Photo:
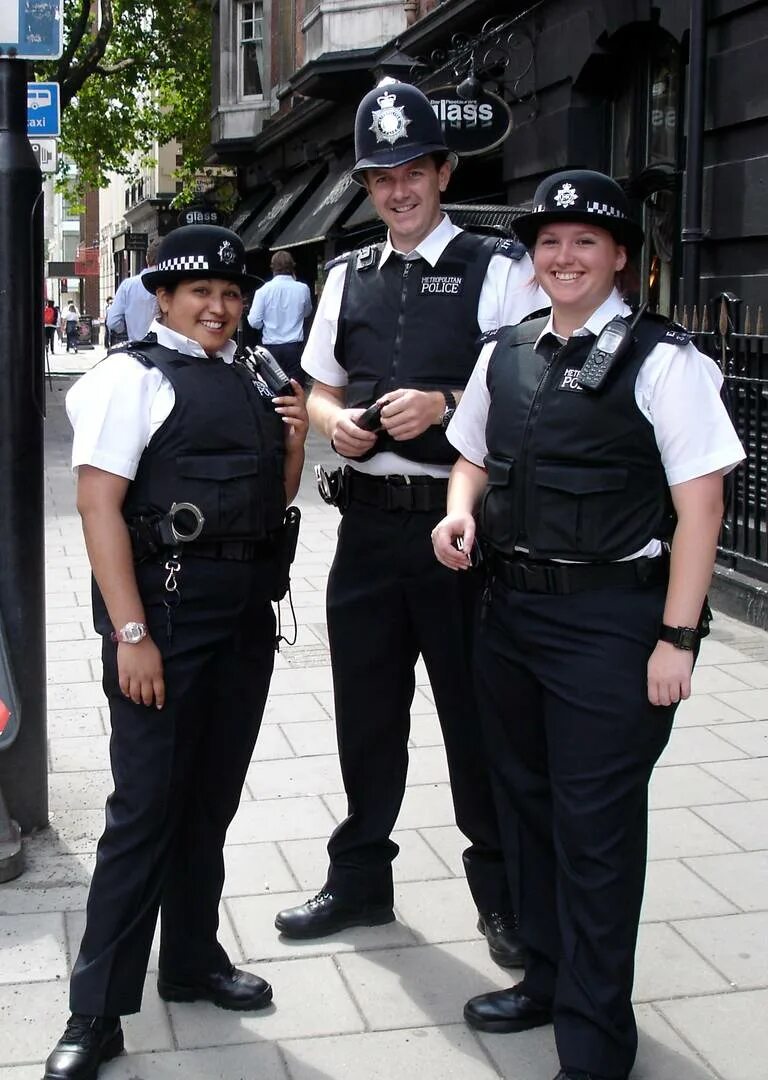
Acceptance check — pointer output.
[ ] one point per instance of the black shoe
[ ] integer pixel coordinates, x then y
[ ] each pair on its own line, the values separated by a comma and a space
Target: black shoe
325, 913
504, 943
87, 1042
506, 1010
233, 989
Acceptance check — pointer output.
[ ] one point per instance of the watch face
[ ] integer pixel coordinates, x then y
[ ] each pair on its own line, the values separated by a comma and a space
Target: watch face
133, 632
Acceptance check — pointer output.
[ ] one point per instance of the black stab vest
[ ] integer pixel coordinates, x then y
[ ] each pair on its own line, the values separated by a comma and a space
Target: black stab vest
572, 474
413, 326
221, 448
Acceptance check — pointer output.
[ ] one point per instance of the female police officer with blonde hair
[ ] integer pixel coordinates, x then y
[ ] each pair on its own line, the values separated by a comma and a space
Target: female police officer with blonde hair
182, 600
597, 463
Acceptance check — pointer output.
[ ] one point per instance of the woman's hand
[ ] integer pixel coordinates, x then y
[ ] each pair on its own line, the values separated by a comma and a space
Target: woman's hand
669, 674
140, 673
454, 527
293, 410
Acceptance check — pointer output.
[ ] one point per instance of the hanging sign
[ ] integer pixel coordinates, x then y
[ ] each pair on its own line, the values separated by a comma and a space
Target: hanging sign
471, 127
31, 29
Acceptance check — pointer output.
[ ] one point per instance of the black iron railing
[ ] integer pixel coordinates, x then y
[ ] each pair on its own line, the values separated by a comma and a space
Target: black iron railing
739, 344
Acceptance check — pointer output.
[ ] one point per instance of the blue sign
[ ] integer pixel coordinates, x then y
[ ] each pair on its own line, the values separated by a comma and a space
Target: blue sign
43, 117
31, 29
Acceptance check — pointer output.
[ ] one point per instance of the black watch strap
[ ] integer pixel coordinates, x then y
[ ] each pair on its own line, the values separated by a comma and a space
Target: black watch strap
450, 400
682, 637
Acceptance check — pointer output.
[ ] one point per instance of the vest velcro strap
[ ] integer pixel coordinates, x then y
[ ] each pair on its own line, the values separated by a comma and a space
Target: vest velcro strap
527, 575
419, 493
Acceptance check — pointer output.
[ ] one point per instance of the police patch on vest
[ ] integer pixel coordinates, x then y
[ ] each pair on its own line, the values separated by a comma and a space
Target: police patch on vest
442, 284
678, 337
262, 388
570, 381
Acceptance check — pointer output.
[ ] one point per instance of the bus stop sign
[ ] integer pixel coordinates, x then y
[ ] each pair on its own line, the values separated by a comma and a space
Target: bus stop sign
31, 29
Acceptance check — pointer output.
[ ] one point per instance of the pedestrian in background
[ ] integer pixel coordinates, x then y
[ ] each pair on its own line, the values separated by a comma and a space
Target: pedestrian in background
280, 309
71, 323
50, 318
589, 451
133, 308
188, 631
107, 334
397, 325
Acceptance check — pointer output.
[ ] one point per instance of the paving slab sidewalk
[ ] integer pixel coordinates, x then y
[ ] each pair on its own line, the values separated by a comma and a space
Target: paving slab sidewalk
373, 1004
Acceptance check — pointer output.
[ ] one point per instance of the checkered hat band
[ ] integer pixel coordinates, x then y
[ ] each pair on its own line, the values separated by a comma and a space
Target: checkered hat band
604, 208
185, 262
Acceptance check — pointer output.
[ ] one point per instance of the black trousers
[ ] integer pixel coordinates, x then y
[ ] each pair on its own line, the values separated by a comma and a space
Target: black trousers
178, 775
288, 356
562, 692
388, 601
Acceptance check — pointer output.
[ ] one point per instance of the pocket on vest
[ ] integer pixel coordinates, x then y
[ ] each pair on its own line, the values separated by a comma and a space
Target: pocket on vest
227, 490
498, 499
573, 507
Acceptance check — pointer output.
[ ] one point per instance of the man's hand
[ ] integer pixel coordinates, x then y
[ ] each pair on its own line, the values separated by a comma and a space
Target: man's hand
348, 439
446, 533
669, 674
408, 413
140, 673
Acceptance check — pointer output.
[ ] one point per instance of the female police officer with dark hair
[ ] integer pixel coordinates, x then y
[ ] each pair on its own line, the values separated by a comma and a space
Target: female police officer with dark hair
585, 465
188, 630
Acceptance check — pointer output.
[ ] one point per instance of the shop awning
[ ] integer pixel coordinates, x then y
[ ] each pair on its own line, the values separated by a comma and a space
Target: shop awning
279, 207
363, 217
249, 205
492, 220
323, 209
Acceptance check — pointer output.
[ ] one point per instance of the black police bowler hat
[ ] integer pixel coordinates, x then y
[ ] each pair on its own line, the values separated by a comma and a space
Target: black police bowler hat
395, 123
581, 195
200, 251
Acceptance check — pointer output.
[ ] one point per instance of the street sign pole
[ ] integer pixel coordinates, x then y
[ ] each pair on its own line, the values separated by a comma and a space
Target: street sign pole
23, 767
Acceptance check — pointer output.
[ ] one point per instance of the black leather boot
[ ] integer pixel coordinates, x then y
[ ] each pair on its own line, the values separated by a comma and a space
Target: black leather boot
325, 913
504, 944
86, 1043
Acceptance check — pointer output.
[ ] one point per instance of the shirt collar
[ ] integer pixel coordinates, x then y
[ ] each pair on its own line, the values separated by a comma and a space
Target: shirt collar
611, 306
431, 247
171, 340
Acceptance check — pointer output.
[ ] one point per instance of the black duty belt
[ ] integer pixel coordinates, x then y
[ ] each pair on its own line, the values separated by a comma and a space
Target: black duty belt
398, 492
237, 550
528, 575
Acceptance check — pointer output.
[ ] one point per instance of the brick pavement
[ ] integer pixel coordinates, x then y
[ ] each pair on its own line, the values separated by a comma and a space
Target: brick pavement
370, 1004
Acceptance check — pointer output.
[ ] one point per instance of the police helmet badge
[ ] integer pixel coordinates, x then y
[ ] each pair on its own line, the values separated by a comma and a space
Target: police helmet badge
566, 195
389, 120
227, 253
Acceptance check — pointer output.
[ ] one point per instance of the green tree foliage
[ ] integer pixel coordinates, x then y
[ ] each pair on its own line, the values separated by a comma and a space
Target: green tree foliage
132, 72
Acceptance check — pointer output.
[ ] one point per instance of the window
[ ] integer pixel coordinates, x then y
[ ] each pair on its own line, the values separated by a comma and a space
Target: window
69, 245
70, 208
251, 47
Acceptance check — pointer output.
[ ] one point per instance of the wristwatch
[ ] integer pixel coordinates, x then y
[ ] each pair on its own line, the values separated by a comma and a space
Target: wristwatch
682, 637
130, 634
450, 409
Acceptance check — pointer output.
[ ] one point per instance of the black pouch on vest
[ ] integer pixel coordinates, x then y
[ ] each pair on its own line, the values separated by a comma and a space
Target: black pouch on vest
285, 540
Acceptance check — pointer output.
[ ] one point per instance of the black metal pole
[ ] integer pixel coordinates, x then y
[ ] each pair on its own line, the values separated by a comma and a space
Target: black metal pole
692, 233
23, 767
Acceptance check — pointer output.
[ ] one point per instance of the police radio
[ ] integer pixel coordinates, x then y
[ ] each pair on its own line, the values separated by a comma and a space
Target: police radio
370, 420
267, 366
611, 345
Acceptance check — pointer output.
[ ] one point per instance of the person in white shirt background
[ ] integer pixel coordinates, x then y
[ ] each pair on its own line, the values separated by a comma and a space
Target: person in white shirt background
597, 480
280, 310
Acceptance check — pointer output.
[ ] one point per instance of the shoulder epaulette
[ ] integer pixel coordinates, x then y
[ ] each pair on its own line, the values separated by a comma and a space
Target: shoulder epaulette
509, 248
339, 260
540, 313
489, 335
368, 256
675, 333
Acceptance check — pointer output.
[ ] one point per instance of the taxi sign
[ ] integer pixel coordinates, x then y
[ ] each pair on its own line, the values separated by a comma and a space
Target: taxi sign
31, 29
43, 113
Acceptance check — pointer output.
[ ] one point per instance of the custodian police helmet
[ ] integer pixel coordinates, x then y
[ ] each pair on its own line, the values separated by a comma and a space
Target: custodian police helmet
395, 123
200, 251
581, 195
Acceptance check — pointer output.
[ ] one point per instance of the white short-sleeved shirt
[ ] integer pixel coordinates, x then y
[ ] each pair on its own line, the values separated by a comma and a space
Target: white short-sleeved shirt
677, 389
508, 294
279, 308
117, 406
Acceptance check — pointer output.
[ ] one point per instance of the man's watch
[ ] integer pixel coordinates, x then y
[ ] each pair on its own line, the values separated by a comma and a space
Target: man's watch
450, 409
130, 634
682, 637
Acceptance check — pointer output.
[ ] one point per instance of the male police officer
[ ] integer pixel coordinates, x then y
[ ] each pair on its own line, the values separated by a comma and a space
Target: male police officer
398, 324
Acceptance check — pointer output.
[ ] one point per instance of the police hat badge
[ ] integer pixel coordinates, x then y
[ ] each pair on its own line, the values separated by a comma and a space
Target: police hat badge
389, 121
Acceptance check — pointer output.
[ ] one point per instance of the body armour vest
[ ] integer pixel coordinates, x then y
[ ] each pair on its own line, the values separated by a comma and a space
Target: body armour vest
413, 326
220, 448
572, 474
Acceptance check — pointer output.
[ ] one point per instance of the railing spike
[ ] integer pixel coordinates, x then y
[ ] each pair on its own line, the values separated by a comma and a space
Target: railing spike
685, 316
695, 320
759, 326
675, 316
705, 320
722, 322
747, 321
